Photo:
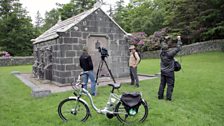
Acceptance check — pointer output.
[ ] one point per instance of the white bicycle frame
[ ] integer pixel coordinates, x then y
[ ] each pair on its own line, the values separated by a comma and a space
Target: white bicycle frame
112, 100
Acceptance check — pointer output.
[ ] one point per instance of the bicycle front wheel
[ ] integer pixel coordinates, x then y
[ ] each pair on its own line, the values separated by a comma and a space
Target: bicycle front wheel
73, 109
124, 117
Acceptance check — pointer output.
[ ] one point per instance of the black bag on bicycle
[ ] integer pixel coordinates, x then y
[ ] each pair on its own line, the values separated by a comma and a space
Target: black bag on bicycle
131, 102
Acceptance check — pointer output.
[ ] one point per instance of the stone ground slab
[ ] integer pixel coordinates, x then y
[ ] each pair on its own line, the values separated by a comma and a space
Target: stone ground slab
42, 88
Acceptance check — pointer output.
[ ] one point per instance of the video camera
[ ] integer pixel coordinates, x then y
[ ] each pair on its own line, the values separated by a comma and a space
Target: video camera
103, 52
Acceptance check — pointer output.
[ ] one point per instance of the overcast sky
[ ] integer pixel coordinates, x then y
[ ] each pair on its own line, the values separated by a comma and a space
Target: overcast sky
32, 6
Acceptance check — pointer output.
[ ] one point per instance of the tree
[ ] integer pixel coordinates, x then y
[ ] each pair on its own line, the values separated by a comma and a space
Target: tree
139, 16
198, 20
39, 23
51, 18
110, 11
120, 14
194, 20
38, 20
5, 7
16, 29
74, 7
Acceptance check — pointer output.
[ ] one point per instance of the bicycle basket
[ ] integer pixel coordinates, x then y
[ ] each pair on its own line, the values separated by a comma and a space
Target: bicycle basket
131, 102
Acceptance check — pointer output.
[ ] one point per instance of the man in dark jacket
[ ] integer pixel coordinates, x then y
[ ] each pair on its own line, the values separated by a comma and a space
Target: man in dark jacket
167, 68
87, 65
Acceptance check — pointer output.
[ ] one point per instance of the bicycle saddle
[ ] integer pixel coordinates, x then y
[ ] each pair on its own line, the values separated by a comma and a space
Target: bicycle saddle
115, 85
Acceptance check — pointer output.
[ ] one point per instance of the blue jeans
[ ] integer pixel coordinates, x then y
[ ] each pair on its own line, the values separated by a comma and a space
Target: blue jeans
90, 76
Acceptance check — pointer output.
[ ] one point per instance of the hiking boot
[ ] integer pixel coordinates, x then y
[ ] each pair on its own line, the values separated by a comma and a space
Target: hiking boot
93, 94
168, 99
160, 97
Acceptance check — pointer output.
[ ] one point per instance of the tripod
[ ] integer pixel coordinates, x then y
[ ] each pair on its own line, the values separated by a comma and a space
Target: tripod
100, 69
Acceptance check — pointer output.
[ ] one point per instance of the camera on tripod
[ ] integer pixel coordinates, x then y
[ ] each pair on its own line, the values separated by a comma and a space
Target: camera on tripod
103, 52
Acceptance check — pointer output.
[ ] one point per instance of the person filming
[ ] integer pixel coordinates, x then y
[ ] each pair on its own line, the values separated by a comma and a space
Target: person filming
167, 67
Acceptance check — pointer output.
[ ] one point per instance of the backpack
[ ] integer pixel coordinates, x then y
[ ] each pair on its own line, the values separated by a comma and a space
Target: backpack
140, 56
177, 66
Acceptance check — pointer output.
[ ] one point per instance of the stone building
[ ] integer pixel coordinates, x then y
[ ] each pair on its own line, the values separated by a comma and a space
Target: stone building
57, 51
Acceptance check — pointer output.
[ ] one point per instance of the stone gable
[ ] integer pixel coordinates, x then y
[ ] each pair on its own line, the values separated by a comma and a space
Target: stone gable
95, 28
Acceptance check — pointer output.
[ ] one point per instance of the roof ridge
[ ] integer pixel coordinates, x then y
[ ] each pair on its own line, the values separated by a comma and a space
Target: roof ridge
65, 25
87, 12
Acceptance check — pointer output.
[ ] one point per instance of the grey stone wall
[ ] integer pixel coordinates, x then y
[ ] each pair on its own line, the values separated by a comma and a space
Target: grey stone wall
200, 47
16, 61
68, 47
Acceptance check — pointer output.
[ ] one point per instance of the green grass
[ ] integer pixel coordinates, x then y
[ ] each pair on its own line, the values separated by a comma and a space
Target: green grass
198, 97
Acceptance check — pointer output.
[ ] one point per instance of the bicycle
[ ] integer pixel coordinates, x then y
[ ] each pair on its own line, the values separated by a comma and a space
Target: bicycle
76, 106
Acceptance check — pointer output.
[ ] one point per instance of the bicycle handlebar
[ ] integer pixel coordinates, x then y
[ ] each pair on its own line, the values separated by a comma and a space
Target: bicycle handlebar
76, 83
83, 73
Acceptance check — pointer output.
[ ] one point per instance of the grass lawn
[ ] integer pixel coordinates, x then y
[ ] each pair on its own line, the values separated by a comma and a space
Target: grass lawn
198, 98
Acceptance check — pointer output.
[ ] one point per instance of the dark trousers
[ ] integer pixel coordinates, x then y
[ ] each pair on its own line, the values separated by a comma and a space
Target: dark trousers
134, 76
166, 78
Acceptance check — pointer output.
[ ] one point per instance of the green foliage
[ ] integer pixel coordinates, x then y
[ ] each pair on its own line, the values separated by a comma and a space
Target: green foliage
16, 30
74, 7
198, 97
194, 20
214, 33
51, 18
38, 23
139, 16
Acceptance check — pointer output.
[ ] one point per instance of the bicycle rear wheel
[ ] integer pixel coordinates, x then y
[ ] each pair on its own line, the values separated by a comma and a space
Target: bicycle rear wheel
124, 117
71, 109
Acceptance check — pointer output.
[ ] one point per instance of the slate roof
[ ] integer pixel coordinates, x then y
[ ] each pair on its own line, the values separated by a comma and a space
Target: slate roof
63, 26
